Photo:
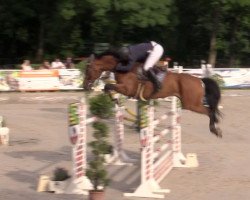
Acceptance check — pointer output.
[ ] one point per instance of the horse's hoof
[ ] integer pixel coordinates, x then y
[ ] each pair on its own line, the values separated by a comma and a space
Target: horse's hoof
108, 87
219, 133
117, 101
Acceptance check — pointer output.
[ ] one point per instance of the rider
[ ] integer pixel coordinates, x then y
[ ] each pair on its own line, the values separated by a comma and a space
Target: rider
149, 53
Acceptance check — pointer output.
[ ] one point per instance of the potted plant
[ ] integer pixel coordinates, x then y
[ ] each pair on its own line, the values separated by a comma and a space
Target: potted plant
58, 182
96, 172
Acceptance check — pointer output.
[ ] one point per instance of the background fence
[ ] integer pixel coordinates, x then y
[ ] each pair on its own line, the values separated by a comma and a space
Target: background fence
72, 79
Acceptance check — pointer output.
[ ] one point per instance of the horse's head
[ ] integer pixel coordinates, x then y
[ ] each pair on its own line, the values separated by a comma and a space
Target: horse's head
95, 67
93, 71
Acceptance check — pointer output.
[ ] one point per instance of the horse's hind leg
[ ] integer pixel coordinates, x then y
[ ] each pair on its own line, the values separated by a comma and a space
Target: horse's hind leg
212, 118
212, 125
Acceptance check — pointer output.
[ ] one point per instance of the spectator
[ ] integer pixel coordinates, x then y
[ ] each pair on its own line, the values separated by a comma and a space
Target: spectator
26, 66
57, 64
45, 65
69, 63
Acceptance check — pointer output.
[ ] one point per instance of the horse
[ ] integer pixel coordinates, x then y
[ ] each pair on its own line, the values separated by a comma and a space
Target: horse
189, 89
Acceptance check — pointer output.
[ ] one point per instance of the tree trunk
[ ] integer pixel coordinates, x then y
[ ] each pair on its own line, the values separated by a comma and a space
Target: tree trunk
232, 45
213, 50
213, 38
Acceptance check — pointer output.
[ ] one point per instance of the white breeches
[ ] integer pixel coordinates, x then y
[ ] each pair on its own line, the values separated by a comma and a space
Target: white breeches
154, 56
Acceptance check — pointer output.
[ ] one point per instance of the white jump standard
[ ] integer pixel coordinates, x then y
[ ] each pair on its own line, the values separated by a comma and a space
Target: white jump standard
156, 163
78, 122
119, 156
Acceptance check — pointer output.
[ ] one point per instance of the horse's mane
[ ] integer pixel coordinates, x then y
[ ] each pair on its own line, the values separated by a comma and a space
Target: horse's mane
114, 52
109, 52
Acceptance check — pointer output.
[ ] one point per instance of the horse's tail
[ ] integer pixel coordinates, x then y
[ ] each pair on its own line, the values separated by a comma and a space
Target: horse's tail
213, 96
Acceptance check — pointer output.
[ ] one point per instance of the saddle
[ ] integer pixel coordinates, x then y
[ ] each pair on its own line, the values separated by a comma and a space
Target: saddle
142, 76
160, 72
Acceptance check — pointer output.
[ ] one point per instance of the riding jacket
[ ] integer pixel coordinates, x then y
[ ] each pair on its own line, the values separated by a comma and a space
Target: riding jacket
137, 53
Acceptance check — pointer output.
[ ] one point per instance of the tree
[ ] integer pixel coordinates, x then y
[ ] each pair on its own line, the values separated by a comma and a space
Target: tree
189, 30
205, 28
238, 23
14, 32
115, 20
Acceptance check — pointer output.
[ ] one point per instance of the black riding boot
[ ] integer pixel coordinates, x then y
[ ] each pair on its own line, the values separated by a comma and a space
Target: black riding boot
152, 76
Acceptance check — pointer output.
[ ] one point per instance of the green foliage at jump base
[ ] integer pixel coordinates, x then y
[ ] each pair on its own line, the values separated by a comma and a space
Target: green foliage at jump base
101, 106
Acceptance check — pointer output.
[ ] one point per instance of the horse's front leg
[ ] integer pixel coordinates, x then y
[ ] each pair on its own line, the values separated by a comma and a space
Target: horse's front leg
119, 88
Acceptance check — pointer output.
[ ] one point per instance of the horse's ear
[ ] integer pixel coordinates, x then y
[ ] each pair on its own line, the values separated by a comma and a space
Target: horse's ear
91, 57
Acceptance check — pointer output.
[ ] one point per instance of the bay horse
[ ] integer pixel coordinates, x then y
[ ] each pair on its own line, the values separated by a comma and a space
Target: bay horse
189, 89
